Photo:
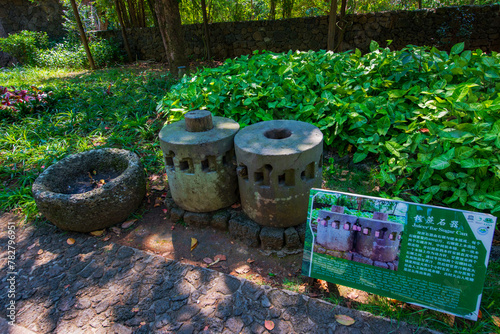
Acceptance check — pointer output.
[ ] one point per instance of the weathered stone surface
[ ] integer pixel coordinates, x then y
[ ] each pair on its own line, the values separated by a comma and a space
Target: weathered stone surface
197, 219
301, 230
245, 230
310, 33
292, 239
281, 159
161, 297
271, 237
220, 220
381, 264
176, 214
361, 259
199, 164
96, 209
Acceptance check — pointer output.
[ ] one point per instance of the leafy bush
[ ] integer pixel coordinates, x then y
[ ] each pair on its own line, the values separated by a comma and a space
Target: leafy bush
72, 55
430, 118
25, 45
20, 102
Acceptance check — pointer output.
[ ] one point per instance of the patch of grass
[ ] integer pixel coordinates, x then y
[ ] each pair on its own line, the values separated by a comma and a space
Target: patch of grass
114, 107
291, 284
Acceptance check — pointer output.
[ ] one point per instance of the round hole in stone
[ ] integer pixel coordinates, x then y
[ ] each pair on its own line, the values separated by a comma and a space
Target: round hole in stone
278, 133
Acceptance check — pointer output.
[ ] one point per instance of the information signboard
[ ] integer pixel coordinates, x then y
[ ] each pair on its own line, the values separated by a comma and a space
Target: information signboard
426, 255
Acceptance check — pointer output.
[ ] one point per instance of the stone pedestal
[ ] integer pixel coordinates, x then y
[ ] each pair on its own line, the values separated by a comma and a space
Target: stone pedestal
199, 160
278, 163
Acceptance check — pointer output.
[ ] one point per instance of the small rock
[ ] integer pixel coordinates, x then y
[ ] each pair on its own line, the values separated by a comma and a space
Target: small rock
176, 214
301, 230
361, 259
272, 237
198, 219
244, 229
292, 238
220, 220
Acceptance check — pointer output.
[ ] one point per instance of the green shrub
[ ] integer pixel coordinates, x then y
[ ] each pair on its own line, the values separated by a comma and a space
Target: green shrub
431, 119
72, 55
25, 45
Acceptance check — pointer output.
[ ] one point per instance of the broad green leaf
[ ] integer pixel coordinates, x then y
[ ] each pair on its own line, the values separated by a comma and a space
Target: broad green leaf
374, 46
457, 48
487, 204
443, 161
358, 157
474, 163
393, 147
464, 152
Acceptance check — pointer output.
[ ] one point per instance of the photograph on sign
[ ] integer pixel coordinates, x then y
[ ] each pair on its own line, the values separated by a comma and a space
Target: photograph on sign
426, 255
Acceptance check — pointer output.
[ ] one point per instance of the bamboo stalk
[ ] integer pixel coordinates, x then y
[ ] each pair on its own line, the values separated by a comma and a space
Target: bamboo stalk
83, 37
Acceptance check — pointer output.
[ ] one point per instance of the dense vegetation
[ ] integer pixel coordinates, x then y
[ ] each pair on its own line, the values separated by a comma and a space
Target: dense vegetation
82, 111
101, 14
430, 119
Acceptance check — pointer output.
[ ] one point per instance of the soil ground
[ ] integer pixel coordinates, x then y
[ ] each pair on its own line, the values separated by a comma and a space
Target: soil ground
156, 233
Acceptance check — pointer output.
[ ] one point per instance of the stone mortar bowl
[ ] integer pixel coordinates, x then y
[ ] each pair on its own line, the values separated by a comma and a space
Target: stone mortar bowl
97, 208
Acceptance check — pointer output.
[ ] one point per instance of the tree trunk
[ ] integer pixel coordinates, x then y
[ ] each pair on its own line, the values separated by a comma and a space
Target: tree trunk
420, 4
205, 26
133, 13
272, 10
125, 16
343, 8
287, 8
124, 33
169, 23
82, 34
151, 4
332, 24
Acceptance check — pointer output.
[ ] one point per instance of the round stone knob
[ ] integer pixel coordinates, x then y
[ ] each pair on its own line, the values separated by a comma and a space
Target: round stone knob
198, 121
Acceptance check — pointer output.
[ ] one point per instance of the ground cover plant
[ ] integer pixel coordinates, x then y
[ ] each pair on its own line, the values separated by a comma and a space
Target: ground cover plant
430, 119
87, 110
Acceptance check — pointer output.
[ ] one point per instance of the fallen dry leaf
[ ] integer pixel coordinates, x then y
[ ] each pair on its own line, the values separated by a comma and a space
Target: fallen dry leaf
40, 252
143, 323
135, 309
30, 247
269, 325
128, 223
106, 238
207, 260
220, 257
158, 201
250, 261
97, 233
236, 205
165, 211
344, 320
70, 241
242, 269
158, 187
194, 243
116, 230
496, 320
172, 227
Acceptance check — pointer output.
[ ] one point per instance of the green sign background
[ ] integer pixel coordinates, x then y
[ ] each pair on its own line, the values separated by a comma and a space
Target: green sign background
442, 260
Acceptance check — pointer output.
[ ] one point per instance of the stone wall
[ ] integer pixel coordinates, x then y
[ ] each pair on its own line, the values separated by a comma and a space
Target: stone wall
478, 26
46, 15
